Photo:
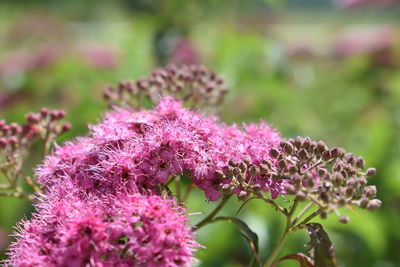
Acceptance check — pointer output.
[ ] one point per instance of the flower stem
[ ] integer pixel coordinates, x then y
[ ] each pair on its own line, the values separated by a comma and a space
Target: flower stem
211, 216
277, 248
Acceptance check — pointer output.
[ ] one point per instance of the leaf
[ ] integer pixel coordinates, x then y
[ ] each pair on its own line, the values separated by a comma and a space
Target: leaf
322, 248
303, 259
247, 233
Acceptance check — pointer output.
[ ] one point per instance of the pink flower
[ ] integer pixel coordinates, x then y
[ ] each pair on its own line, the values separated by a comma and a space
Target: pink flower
128, 230
146, 148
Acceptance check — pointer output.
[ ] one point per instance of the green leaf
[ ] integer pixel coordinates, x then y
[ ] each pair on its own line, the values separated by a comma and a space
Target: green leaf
303, 259
247, 233
321, 246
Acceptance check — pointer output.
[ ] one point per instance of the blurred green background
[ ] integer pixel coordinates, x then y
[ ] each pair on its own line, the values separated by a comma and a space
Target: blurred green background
328, 70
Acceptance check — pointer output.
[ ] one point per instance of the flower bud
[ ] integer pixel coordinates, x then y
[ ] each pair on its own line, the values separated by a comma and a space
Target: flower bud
344, 219
290, 189
350, 159
219, 174
297, 142
274, 153
335, 152
226, 189
32, 118
364, 203
374, 204
253, 170
3, 142
243, 195
371, 172
44, 112
256, 188
15, 128
282, 164
337, 178
326, 155
288, 148
307, 143
324, 215
321, 147
303, 154
322, 171
360, 163
243, 166
301, 196
13, 141
292, 169
370, 191
65, 127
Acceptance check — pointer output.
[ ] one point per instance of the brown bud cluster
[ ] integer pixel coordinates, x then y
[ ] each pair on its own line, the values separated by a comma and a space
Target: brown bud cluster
195, 85
239, 178
329, 177
16, 139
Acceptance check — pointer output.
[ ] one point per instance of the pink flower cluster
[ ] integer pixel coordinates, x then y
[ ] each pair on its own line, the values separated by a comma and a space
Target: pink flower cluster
146, 148
103, 205
128, 230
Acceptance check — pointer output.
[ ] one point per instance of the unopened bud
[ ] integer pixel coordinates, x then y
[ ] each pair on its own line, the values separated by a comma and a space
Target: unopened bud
243, 195
44, 112
219, 174
3, 142
301, 196
290, 189
253, 170
15, 128
292, 169
360, 163
13, 141
324, 215
297, 142
32, 118
256, 188
274, 153
288, 148
370, 191
307, 143
344, 219
371, 172
374, 204
282, 164
65, 127
243, 166
303, 154
226, 189
326, 155
322, 172
321, 147
364, 203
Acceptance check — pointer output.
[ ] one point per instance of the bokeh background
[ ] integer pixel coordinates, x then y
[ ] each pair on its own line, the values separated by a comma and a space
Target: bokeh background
320, 68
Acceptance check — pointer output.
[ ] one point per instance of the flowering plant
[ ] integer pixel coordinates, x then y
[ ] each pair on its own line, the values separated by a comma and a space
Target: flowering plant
105, 199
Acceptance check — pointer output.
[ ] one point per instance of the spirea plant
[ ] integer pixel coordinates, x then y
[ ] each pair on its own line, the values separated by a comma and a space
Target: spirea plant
104, 199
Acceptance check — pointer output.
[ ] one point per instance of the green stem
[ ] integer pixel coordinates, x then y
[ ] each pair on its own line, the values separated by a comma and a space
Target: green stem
277, 248
211, 216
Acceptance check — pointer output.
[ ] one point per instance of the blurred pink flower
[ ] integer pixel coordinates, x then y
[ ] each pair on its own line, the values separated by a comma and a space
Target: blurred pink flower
362, 3
100, 56
366, 41
184, 53
22, 61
